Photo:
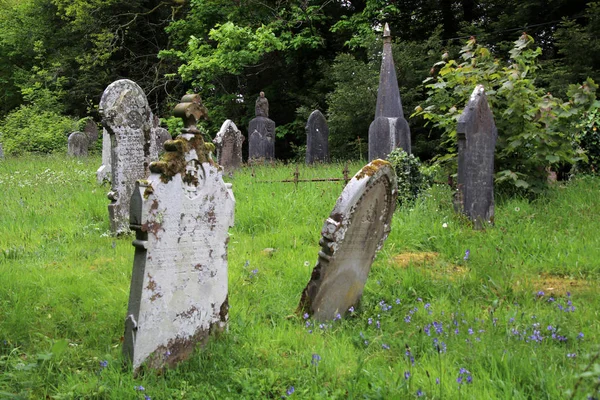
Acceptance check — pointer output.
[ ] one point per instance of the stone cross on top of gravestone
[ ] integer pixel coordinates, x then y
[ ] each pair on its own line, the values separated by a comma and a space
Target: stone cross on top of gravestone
356, 229
181, 215
389, 129
476, 134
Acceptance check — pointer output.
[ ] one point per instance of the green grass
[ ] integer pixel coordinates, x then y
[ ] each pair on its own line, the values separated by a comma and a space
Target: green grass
64, 284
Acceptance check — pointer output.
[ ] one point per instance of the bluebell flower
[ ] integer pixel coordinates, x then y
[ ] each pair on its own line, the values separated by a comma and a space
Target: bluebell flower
351, 309
407, 319
437, 381
571, 355
580, 336
146, 397
385, 346
305, 316
467, 253
290, 391
370, 321
104, 364
397, 301
140, 388
406, 375
315, 359
419, 393
337, 317
540, 293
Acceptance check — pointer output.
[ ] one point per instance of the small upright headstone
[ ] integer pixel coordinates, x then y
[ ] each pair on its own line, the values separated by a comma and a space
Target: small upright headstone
127, 118
389, 129
476, 134
181, 215
160, 134
91, 131
261, 132
317, 138
353, 233
77, 144
228, 142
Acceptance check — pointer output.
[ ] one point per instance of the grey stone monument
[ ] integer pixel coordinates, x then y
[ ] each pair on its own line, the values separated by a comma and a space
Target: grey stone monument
261, 132
1, 152
228, 142
317, 138
160, 135
127, 118
181, 215
91, 131
104, 172
389, 129
77, 144
351, 236
476, 134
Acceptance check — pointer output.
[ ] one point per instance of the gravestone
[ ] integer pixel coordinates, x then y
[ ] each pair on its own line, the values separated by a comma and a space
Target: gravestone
476, 134
261, 132
91, 131
127, 118
389, 129
228, 142
317, 138
351, 236
181, 215
1, 151
160, 134
104, 172
77, 144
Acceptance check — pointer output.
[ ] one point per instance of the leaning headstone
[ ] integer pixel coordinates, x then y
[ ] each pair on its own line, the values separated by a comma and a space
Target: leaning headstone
351, 236
228, 142
181, 215
91, 131
476, 134
389, 129
127, 118
261, 132
317, 138
77, 144
104, 172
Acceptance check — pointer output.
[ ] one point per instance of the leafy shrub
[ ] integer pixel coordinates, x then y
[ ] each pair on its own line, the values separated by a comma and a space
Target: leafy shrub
29, 129
413, 178
536, 131
588, 139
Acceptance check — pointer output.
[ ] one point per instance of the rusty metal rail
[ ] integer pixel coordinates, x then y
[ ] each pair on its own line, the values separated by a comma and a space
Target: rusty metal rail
297, 179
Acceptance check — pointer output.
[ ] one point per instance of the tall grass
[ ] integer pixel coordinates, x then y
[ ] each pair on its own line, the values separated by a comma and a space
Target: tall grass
514, 318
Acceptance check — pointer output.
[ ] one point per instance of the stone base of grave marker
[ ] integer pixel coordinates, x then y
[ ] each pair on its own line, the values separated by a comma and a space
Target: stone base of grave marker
386, 134
351, 236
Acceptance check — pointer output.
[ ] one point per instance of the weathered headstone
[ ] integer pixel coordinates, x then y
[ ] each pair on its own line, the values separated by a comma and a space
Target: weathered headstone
317, 138
77, 144
91, 131
389, 129
181, 215
261, 132
104, 172
160, 134
127, 118
476, 134
228, 142
353, 233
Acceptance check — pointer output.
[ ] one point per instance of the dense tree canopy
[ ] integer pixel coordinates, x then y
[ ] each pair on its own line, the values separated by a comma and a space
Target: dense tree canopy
59, 55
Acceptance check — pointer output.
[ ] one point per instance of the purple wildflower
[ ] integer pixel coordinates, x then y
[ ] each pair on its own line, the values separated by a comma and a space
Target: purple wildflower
406, 375
305, 316
140, 388
290, 391
419, 393
467, 253
104, 364
385, 346
315, 359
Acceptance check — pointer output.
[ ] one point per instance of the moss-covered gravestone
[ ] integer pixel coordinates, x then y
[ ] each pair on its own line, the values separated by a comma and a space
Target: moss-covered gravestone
181, 215
476, 133
389, 129
127, 118
351, 236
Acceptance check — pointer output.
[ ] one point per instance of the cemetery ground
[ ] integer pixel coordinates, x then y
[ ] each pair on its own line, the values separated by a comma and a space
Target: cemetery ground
509, 312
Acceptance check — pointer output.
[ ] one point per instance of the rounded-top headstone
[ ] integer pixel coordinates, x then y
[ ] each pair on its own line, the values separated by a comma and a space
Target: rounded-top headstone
356, 229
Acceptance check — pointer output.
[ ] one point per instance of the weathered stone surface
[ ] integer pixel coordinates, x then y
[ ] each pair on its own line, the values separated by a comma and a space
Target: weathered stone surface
161, 135
127, 118
104, 173
77, 143
261, 141
317, 138
389, 129
228, 142
477, 134
1, 151
91, 131
181, 215
261, 107
353, 233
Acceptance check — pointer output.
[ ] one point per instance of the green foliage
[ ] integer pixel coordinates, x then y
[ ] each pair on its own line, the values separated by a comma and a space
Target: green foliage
413, 178
30, 129
535, 129
588, 139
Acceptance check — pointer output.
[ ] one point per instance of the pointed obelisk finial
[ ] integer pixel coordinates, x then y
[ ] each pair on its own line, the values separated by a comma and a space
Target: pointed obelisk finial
386, 31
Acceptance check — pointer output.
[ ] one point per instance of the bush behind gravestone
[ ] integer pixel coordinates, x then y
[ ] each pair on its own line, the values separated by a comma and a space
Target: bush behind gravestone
413, 178
588, 139
30, 129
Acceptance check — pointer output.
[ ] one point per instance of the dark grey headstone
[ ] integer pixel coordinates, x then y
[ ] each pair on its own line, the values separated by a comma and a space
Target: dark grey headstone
261, 142
128, 120
228, 143
161, 135
351, 236
477, 134
317, 138
389, 129
91, 131
78, 143
181, 215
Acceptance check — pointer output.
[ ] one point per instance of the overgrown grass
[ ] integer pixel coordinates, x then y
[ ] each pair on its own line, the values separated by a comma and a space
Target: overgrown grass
519, 314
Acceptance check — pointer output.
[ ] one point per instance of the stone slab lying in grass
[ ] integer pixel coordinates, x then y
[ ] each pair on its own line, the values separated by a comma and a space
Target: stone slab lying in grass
351, 236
